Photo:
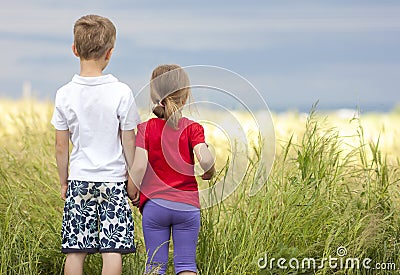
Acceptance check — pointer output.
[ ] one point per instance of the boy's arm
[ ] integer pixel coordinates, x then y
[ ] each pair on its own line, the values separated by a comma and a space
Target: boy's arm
128, 139
62, 159
206, 160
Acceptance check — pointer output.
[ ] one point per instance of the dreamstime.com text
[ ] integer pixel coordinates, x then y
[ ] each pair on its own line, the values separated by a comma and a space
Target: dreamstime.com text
340, 261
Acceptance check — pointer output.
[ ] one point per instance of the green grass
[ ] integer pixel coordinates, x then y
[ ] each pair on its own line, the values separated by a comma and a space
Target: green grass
322, 193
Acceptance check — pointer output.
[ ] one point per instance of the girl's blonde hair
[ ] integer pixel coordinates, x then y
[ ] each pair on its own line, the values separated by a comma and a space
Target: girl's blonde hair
169, 91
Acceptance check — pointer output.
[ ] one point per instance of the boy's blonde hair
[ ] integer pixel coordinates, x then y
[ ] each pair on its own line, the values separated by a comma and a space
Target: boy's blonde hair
94, 35
169, 91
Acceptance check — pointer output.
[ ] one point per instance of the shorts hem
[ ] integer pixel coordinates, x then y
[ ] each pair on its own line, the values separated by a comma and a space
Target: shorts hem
117, 250
79, 250
96, 250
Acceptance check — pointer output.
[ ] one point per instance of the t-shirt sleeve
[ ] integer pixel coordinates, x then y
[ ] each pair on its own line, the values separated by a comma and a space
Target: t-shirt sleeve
196, 134
127, 112
59, 120
141, 140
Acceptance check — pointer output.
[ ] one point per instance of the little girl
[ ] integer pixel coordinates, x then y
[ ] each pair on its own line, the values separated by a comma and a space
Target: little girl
164, 169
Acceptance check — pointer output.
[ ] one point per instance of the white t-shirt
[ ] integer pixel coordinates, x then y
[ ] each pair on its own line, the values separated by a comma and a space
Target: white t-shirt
94, 110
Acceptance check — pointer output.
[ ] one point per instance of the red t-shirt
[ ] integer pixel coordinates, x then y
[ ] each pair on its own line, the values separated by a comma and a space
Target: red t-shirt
170, 168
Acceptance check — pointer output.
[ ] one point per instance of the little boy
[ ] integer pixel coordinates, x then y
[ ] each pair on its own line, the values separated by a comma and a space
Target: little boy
98, 114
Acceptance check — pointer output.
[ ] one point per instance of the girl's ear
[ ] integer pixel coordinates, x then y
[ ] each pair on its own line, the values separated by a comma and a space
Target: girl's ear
74, 50
109, 53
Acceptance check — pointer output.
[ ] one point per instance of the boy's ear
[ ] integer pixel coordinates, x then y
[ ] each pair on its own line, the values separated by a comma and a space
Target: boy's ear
109, 53
74, 50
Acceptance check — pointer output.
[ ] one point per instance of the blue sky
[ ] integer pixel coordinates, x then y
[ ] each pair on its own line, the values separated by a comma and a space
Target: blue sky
343, 53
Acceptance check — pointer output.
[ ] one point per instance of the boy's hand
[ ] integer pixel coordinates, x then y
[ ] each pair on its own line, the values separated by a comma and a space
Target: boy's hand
64, 188
133, 192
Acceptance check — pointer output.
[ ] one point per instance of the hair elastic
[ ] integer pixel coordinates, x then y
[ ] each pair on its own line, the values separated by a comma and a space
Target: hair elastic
158, 104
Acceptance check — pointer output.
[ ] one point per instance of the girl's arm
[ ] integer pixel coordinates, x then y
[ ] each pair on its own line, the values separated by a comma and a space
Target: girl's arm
206, 160
139, 166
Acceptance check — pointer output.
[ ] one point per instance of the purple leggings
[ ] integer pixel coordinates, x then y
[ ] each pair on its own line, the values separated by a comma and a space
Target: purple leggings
160, 217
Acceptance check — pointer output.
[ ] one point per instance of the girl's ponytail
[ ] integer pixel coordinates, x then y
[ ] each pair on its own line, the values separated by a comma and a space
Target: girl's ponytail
169, 90
172, 112
159, 111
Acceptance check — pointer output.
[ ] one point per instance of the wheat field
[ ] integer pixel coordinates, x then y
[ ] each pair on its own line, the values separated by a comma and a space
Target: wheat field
334, 184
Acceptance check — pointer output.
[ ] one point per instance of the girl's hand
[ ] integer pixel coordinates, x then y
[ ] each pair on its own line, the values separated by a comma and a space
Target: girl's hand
133, 192
206, 160
209, 174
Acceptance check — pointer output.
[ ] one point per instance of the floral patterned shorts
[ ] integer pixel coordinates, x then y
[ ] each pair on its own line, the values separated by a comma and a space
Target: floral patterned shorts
97, 218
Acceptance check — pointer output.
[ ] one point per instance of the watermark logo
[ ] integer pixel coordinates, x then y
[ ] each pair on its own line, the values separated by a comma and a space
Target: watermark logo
337, 262
341, 251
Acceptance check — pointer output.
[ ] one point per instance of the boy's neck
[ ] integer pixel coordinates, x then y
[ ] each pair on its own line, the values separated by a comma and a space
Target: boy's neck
92, 68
